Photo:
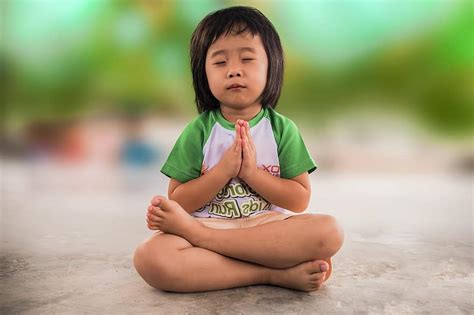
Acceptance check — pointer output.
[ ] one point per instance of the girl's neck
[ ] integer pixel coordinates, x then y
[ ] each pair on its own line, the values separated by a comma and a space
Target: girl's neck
233, 114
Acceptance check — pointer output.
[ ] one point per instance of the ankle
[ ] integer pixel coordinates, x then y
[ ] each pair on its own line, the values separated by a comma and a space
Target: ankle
200, 236
272, 276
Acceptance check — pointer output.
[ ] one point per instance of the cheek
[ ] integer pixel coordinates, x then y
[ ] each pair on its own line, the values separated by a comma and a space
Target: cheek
211, 79
262, 75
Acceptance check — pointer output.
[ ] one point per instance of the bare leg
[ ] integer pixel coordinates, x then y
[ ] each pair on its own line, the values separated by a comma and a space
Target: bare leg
278, 244
169, 262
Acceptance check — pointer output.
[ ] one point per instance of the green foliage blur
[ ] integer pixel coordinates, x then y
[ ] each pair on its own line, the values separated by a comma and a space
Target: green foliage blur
66, 59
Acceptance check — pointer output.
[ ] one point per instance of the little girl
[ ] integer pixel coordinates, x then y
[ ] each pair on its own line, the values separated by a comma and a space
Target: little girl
238, 175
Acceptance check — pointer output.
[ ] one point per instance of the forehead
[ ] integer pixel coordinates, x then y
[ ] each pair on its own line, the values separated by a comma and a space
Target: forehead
244, 42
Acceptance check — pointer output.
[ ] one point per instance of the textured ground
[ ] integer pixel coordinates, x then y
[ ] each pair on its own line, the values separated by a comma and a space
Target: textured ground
68, 236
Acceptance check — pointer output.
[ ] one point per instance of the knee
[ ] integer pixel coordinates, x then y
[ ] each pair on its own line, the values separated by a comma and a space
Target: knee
151, 266
330, 235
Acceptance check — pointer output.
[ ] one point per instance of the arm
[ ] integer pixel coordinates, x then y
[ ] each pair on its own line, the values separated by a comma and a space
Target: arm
292, 194
195, 193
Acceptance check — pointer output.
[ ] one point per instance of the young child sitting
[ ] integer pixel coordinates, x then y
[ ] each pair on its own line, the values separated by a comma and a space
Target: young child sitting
239, 175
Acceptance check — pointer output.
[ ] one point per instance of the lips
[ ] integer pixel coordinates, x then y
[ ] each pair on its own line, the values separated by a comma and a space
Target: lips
234, 86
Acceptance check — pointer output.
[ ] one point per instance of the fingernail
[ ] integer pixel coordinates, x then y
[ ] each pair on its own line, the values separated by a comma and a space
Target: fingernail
324, 267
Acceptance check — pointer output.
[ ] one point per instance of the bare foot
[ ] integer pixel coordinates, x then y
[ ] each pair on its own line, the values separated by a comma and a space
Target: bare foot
307, 276
169, 217
329, 272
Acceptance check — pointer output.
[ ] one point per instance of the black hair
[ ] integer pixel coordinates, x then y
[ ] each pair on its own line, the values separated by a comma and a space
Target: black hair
235, 20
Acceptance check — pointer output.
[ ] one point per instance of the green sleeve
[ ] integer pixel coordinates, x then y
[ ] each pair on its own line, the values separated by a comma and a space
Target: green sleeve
185, 159
292, 153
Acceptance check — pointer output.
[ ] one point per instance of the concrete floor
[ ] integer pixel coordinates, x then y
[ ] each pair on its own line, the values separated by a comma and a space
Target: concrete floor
67, 246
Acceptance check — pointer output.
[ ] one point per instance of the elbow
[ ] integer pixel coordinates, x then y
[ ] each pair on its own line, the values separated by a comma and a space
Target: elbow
302, 203
301, 207
183, 202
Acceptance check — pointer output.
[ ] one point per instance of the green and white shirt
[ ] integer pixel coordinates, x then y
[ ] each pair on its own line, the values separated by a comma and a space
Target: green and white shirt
280, 151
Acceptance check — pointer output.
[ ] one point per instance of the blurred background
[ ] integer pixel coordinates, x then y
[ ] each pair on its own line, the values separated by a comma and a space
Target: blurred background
96, 92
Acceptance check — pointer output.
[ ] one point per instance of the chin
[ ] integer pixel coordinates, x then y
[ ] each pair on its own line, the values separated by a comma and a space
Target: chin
237, 105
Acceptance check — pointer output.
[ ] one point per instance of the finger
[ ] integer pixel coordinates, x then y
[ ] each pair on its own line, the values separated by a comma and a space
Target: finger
235, 144
244, 138
249, 136
245, 146
237, 132
243, 134
237, 140
238, 148
237, 135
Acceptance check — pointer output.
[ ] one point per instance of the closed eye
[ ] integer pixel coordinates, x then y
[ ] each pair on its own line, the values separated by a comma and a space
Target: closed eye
223, 62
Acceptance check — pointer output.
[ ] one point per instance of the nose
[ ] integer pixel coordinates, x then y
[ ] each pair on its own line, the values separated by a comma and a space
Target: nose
234, 73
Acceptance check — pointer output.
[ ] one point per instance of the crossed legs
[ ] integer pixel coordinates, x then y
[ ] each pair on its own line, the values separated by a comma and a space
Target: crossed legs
191, 257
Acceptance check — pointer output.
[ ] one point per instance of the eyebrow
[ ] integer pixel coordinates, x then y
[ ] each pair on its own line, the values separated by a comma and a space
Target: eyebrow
224, 51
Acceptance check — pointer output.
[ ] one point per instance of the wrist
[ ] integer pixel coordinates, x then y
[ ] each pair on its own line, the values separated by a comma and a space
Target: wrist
224, 171
248, 176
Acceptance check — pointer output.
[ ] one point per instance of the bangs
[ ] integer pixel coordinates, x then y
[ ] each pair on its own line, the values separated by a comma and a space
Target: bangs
235, 27
231, 24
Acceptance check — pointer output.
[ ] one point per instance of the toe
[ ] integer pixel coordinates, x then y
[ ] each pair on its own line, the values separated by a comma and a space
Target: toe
153, 217
164, 202
317, 276
318, 266
156, 211
323, 265
157, 200
329, 272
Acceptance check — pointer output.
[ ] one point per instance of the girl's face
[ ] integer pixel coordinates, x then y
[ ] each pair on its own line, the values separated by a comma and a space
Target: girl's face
236, 69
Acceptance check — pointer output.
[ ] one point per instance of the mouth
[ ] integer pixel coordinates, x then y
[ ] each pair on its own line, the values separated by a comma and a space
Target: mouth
236, 87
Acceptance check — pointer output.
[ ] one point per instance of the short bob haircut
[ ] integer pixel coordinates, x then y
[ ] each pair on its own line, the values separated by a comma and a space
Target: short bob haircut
235, 20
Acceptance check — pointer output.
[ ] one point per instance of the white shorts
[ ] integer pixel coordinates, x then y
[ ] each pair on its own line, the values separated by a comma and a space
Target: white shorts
261, 218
